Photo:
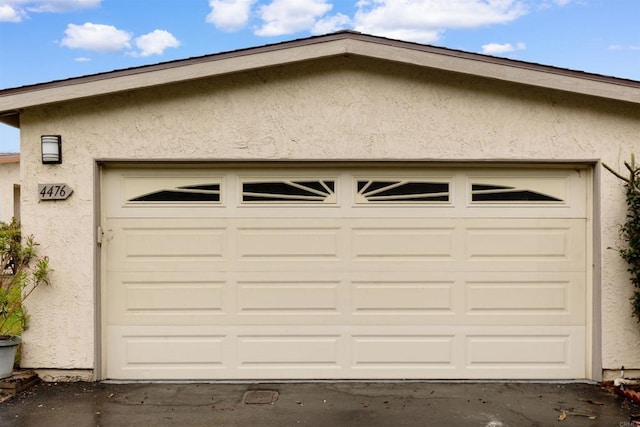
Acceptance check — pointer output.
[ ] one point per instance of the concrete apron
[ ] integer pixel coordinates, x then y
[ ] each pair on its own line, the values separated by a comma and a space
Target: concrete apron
320, 404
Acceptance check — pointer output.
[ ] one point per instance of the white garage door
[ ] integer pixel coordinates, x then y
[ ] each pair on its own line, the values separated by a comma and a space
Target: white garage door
310, 273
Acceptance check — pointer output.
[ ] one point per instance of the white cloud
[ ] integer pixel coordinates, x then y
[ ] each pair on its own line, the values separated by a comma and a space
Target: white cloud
230, 15
290, 16
547, 4
331, 24
156, 42
498, 48
17, 10
425, 20
109, 39
561, 3
82, 59
422, 21
59, 5
620, 47
96, 37
9, 13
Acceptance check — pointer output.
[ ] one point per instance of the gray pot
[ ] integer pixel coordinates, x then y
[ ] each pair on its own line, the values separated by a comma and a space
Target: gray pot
8, 347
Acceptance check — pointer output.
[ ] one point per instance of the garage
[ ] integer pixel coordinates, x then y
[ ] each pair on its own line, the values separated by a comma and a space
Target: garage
344, 271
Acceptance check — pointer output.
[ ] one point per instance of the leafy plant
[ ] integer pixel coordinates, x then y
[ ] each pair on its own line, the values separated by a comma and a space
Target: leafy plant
630, 231
21, 272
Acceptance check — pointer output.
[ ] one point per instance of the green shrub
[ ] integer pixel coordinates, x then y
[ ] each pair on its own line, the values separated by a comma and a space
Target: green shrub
630, 230
631, 254
21, 272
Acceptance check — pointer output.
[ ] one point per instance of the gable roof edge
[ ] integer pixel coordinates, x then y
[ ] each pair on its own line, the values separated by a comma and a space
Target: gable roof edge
161, 74
504, 69
341, 43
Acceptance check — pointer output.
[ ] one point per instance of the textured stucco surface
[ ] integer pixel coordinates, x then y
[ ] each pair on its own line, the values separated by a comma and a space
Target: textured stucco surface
336, 109
9, 176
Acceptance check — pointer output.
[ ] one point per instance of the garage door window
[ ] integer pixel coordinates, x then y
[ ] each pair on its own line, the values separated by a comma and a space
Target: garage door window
187, 193
285, 191
400, 191
503, 193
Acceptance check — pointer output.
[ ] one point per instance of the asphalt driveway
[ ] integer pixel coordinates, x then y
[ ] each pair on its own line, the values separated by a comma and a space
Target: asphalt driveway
319, 404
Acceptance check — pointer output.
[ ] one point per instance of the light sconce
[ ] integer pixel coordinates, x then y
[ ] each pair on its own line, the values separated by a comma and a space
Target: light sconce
51, 149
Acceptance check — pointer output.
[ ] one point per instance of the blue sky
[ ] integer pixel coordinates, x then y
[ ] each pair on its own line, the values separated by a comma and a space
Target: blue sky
45, 40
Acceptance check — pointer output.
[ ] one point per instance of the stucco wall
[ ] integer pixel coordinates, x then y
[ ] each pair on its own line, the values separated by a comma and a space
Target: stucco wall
9, 176
339, 109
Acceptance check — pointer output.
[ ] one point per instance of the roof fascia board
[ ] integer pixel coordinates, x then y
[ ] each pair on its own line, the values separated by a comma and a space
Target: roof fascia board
315, 48
155, 77
11, 119
10, 158
499, 69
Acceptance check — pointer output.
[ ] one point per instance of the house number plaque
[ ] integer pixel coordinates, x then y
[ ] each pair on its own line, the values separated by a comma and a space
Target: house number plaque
54, 191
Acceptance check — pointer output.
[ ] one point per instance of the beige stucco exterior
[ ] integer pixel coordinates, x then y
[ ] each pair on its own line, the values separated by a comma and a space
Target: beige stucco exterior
327, 109
9, 186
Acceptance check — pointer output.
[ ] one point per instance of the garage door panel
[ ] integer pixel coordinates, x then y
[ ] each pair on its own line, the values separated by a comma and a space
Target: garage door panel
402, 298
503, 243
288, 351
416, 351
143, 298
174, 350
294, 266
548, 348
517, 297
355, 352
295, 244
310, 297
491, 298
542, 298
518, 350
382, 243
174, 296
166, 245
294, 297
551, 350
168, 352
150, 244
526, 244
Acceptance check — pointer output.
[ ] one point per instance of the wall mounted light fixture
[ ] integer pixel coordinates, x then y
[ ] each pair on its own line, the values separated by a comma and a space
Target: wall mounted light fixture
51, 149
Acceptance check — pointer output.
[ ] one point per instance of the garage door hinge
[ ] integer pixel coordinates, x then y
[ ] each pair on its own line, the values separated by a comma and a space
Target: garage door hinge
99, 235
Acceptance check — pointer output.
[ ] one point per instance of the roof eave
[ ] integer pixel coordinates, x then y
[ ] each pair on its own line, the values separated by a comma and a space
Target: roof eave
11, 118
10, 158
342, 43
504, 69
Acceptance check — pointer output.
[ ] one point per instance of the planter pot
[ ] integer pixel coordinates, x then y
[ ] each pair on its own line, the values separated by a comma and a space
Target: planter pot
8, 347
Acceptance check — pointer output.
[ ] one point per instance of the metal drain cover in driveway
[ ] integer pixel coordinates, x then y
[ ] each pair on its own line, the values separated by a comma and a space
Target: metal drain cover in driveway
260, 397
